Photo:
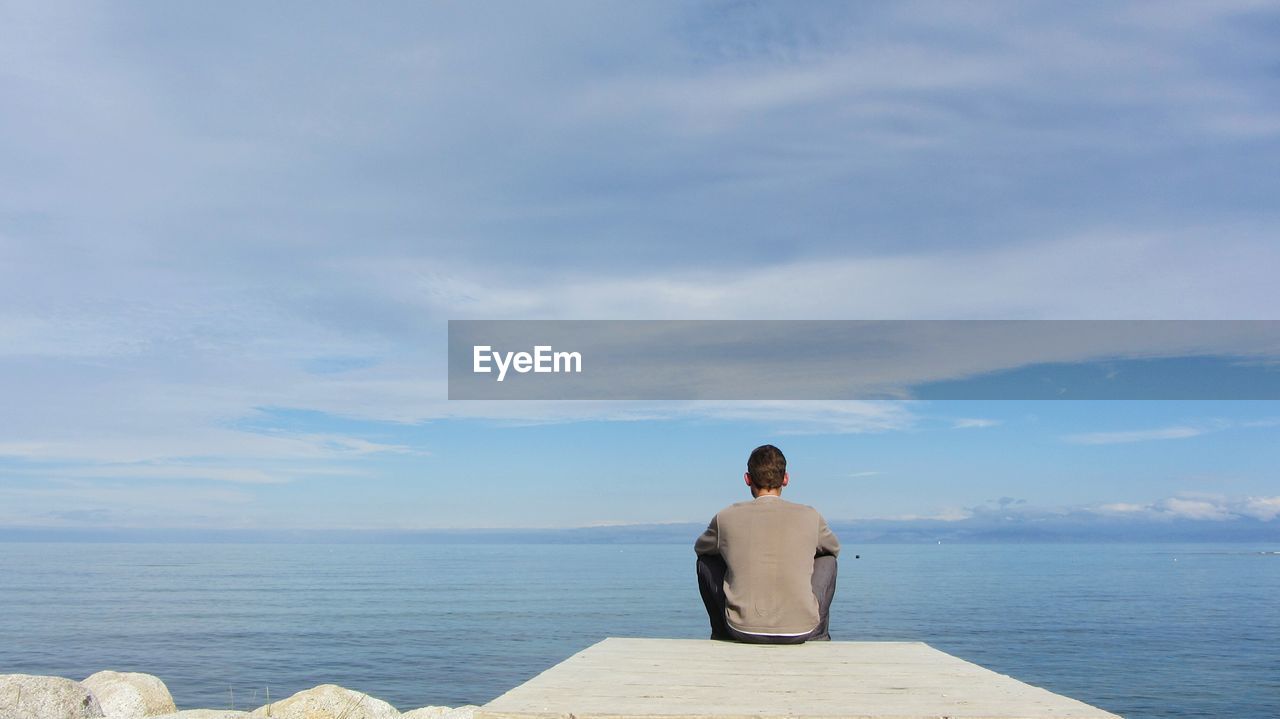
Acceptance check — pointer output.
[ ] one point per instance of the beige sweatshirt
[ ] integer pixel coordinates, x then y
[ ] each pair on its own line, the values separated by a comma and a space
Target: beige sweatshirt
768, 545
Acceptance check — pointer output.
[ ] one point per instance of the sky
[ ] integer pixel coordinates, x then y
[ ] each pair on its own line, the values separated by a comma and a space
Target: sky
231, 236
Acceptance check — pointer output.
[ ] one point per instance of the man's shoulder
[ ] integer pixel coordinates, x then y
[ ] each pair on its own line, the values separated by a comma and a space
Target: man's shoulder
734, 508
805, 510
795, 506
767, 504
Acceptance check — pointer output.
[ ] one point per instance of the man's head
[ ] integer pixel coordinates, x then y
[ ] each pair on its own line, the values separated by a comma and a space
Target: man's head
766, 470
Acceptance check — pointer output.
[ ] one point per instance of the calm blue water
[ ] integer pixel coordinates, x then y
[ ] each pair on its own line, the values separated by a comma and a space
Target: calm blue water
1141, 630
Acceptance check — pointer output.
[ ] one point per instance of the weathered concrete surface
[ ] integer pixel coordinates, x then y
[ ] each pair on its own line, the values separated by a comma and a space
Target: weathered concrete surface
467, 711
690, 678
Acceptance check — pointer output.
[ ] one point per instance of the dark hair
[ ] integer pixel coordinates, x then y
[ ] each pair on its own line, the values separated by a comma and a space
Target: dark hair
767, 467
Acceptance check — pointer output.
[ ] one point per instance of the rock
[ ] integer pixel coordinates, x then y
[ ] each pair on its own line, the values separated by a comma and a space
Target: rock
130, 695
431, 712
463, 712
204, 714
328, 701
26, 696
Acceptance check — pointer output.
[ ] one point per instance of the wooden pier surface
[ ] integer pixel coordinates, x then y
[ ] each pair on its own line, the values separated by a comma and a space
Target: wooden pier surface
702, 679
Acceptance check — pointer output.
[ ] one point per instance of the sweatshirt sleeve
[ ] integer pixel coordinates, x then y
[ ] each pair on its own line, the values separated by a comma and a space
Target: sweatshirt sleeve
827, 541
709, 541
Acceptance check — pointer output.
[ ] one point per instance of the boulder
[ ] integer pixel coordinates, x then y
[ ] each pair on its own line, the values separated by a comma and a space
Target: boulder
204, 714
463, 712
130, 695
24, 696
431, 712
328, 701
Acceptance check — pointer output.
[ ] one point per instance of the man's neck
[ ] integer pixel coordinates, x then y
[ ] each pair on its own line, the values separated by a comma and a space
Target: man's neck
758, 493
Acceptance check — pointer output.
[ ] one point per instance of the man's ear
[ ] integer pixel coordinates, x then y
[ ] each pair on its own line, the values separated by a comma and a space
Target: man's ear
785, 478
747, 476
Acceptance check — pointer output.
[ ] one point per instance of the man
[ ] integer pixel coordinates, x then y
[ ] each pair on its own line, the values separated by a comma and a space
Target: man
767, 568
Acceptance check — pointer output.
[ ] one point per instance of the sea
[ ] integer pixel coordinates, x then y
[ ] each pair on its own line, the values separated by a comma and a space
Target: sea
1142, 630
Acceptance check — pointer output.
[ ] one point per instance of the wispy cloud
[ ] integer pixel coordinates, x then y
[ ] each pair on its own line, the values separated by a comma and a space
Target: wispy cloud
974, 423
95, 502
950, 514
1261, 508
235, 475
1197, 507
1187, 430
1189, 507
813, 417
158, 447
1193, 509
1142, 435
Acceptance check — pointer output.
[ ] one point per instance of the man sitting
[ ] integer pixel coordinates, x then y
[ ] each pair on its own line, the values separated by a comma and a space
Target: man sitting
767, 568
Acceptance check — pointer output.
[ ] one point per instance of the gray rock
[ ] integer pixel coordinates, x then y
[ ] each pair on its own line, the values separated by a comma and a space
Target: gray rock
431, 712
204, 714
328, 701
130, 695
26, 696
466, 711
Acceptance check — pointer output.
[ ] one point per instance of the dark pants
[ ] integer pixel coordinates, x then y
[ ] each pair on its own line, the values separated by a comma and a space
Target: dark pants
711, 569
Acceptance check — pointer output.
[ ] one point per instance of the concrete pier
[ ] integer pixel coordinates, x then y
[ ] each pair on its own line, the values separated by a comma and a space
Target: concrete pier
702, 679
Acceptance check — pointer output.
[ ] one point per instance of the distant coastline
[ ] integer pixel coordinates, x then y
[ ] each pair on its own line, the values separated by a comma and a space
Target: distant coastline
1064, 529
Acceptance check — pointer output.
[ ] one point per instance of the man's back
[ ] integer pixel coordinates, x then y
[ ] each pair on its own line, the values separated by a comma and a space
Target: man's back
768, 545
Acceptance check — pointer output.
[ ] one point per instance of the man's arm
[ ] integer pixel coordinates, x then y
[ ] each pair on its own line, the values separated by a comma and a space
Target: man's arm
827, 541
709, 542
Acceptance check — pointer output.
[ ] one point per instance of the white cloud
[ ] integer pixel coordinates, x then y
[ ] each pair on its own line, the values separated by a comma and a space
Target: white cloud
161, 448
1143, 435
811, 416
1177, 508
1121, 508
1262, 508
93, 502
172, 471
1182, 431
1187, 507
1197, 507
974, 423
1044, 278
950, 514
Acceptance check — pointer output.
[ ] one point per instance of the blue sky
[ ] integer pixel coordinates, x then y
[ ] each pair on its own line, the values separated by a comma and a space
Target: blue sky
231, 236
